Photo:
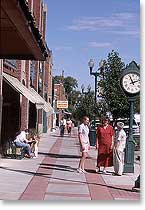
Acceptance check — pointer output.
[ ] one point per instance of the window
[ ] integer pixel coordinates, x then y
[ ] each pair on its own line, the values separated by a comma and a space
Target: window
32, 72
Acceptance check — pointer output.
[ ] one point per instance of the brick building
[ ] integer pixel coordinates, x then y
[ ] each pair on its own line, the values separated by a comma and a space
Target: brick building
25, 85
59, 95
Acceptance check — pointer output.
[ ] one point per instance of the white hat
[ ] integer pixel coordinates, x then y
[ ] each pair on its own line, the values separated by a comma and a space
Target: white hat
120, 124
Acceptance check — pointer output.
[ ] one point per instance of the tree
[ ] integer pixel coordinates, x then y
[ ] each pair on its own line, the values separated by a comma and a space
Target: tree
70, 84
84, 105
114, 98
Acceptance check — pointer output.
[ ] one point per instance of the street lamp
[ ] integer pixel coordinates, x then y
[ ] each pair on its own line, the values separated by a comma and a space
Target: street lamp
95, 74
92, 134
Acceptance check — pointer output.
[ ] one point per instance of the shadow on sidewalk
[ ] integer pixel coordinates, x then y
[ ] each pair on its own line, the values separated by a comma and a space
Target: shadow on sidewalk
57, 167
53, 155
65, 136
25, 172
46, 175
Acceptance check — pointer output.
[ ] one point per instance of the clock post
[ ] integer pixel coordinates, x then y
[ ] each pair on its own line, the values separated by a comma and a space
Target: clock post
130, 84
130, 145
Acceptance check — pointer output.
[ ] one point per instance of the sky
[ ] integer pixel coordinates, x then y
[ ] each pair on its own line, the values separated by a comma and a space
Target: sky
78, 30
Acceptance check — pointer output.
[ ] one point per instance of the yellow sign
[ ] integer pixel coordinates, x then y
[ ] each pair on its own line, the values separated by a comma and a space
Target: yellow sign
62, 104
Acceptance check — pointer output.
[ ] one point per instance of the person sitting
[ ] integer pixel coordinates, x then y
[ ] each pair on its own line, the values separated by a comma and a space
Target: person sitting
22, 142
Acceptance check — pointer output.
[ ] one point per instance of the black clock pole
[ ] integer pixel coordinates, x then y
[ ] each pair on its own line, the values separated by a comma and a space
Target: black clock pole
130, 144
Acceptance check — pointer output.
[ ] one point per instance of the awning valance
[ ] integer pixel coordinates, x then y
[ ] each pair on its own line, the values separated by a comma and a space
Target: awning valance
30, 94
19, 87
46, 105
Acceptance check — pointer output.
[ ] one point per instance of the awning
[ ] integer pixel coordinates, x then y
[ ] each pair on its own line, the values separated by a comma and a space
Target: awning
30, 94
46, 105
19, 87
20, 37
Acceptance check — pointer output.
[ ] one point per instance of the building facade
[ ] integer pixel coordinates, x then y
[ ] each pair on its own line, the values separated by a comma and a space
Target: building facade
25, 69
59, 95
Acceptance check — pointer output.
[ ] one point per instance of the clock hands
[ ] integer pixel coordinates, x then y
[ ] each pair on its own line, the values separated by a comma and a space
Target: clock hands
132, 82
131, 79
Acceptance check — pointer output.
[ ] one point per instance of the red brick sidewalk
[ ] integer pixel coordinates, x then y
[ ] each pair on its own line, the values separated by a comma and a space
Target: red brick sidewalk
98, 190
37, 187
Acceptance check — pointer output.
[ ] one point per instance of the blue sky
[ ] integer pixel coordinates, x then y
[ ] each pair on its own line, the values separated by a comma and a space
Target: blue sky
78, 30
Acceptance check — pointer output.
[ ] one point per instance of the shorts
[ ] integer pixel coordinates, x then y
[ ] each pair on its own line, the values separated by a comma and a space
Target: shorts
86, 148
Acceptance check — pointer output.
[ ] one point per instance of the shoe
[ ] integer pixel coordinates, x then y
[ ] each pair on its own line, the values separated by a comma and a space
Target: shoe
98, 170
79, 170
115, 174
104, 172
84, 171
27, 156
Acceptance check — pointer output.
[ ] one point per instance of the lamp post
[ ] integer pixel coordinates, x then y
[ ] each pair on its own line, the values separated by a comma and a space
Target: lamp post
92, 133
95, 74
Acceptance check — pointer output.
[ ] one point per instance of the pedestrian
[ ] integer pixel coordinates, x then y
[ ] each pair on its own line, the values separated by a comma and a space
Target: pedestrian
69, 126
104, 145
118, 150
62, 126
83, 135
22, 142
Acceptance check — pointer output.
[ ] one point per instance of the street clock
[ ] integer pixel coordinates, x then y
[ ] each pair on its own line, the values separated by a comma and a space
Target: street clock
130, 80
130, 84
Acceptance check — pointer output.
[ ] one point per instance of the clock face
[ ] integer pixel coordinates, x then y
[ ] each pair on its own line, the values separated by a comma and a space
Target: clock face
131, 83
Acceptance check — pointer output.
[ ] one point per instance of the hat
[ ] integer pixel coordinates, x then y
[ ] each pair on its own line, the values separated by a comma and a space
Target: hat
120, 124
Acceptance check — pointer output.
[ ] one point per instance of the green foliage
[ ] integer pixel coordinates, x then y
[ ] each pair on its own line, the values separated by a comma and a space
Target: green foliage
69, 83
113, 98
84, 105
112, 93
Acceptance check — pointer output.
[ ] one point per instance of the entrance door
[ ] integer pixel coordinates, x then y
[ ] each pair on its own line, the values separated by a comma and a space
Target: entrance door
32, 115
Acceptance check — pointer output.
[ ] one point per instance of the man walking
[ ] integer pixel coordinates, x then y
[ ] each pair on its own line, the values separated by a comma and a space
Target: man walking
83, 135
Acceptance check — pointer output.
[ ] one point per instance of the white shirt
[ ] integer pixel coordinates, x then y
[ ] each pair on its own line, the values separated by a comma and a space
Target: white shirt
121, 137
21, 137
84, 130
63, 122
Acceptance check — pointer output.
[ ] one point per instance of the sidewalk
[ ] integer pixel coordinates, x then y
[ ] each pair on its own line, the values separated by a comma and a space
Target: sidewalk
53, 175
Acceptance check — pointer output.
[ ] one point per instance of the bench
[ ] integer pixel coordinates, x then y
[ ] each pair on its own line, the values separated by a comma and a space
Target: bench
14, 151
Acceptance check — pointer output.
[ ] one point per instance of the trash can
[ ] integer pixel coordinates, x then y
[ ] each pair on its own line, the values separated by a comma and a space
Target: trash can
92, 137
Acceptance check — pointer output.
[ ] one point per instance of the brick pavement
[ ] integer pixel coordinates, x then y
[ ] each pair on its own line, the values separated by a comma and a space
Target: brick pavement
53, 176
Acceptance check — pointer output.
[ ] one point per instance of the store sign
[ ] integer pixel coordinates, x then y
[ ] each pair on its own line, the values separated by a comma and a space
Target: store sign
62, 104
